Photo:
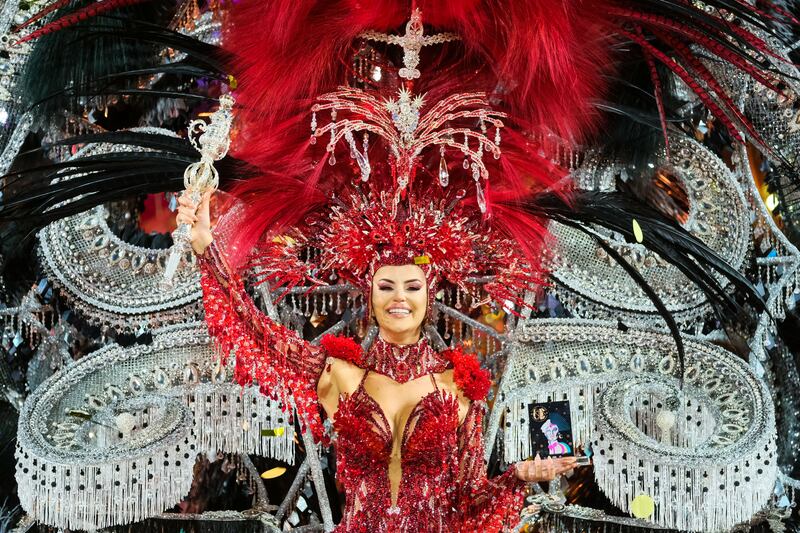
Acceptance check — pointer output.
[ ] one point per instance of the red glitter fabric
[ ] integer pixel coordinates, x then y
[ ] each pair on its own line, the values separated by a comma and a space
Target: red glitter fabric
444, 486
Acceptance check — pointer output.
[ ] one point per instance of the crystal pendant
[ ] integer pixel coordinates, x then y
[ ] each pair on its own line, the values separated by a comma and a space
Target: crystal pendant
480, 197
444, 175
360, 158
465, 164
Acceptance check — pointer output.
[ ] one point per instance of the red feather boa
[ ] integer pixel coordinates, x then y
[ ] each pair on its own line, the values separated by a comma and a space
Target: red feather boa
473, 380
343, 348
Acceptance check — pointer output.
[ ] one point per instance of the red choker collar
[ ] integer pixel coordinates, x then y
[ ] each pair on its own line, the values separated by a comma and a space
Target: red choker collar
404, 362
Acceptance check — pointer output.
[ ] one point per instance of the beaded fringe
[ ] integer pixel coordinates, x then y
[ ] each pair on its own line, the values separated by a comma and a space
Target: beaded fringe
707, 500
231, 419
72, 494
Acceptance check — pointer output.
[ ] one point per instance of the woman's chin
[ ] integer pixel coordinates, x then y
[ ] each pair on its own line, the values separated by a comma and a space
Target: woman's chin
400, 327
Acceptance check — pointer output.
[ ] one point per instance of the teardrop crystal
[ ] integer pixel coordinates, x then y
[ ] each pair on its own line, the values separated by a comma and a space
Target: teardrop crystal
444, 174
480, 197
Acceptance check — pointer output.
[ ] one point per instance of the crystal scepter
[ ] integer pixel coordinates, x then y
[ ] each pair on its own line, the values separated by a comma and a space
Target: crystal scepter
212, 140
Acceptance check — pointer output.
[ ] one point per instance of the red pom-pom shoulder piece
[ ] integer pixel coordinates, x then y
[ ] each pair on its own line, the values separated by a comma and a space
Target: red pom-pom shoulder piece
343, 348
473, 380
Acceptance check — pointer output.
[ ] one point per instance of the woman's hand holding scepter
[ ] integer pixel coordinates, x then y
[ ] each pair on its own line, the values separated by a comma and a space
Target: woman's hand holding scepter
200, 179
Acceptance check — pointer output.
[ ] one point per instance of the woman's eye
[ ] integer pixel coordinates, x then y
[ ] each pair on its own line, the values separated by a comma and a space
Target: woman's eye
414, 288
385, 288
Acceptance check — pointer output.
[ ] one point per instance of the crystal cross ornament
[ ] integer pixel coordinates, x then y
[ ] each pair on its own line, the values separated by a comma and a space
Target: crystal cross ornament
412, 43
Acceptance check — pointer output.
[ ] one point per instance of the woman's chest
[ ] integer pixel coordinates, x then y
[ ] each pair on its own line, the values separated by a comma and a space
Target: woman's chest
392, 417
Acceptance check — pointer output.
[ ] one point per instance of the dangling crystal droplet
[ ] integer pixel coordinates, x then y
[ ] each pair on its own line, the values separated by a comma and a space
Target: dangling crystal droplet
497, 136
313, 140
466, 163
480, 197
332, 159
444, 175
313, 122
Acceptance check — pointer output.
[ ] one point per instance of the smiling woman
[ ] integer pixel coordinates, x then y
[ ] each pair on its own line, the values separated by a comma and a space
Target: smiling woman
407, 420
399, 302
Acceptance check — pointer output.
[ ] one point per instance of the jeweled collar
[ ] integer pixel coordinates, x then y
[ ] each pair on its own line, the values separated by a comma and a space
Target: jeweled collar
404, 362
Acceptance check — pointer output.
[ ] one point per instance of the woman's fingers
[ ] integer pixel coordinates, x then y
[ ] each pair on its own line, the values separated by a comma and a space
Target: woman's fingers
204, 207
539, 469
186, 219
525, 471
186, 216
186, 201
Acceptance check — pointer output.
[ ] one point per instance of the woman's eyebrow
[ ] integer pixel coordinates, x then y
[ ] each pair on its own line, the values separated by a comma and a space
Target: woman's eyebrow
386, 280
414, 279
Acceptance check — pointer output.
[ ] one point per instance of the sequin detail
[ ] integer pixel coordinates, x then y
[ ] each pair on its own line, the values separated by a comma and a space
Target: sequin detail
443, 485
404, 362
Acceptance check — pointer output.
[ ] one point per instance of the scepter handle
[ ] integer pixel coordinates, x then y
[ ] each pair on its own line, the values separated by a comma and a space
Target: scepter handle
182, 240
212, 140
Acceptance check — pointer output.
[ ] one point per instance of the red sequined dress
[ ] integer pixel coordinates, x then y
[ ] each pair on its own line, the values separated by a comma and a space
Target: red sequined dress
443, 487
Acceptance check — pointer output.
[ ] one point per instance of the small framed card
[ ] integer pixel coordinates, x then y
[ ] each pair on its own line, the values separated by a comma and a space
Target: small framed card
551, 429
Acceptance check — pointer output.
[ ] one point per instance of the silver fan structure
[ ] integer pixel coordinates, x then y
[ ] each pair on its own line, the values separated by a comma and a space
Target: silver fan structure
112, 282
112, 438
706, 447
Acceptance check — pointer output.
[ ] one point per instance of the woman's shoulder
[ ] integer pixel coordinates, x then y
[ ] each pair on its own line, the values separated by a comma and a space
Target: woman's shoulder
343, 348
473, 380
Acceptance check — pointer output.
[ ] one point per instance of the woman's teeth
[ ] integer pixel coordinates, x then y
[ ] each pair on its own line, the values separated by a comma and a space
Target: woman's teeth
402, 312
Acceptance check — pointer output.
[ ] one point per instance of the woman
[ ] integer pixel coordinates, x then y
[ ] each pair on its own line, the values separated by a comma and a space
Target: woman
407, 420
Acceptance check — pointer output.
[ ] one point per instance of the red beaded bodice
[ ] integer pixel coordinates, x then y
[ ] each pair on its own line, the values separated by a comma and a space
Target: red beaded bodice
443, 486
428, 461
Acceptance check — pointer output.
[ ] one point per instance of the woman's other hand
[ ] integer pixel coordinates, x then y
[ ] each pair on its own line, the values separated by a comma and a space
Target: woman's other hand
198, 216
544, 469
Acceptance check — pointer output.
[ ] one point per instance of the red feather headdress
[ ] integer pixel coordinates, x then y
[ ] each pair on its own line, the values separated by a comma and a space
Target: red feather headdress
389, 154
412, 183
534, 70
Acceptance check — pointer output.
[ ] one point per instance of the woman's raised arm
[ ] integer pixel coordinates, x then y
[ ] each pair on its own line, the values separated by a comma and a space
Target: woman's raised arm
278, 359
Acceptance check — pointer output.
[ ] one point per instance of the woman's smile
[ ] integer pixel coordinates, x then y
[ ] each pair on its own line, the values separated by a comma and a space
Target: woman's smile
399, 302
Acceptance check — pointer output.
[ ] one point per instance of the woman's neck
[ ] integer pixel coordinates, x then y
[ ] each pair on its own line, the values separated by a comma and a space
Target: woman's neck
400, 338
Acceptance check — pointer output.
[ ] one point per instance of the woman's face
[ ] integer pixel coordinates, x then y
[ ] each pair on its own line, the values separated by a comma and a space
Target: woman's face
399, 302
